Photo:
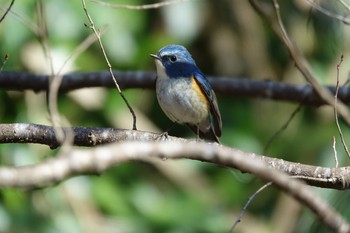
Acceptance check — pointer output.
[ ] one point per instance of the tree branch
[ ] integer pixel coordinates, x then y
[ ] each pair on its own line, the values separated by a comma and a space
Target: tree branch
328, 13
232, 87
77, 162
335, 178
83, 136
275, 21
139, 7
98, 35
7, 11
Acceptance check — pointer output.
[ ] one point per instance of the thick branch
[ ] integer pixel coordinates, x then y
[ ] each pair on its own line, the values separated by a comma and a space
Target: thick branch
83, 136
78, 162
233, 87
335, 178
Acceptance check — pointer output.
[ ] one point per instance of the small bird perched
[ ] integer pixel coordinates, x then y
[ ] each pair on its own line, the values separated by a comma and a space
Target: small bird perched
184, 93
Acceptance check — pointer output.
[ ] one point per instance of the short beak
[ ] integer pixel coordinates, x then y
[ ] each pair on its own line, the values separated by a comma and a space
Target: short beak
155, 56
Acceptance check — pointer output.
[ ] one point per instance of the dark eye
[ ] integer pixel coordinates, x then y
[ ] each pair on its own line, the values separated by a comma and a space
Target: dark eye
173, 58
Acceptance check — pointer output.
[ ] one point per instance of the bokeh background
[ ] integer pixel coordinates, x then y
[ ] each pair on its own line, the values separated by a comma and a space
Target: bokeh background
226, 38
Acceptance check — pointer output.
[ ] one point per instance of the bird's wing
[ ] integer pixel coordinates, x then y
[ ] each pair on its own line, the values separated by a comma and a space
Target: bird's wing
203, 83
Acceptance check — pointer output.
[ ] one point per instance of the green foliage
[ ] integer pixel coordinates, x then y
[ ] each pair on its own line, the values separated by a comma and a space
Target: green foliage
145, 197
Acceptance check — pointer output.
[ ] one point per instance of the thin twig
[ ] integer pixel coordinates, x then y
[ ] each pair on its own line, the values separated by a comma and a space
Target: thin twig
4, 62
299, 60
51, 95
43, 38
284, 126
97, 33
344, 4
328, 13
21, 17
65, 137
139, 7
335, 109
7, 11
251, 198
56, 83
335, 153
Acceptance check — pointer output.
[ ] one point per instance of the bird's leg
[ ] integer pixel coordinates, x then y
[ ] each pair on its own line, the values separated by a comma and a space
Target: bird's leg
165, 134
197, 132
162, 136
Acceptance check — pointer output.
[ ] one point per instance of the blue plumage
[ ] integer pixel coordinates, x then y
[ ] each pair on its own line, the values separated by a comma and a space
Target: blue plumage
184, 93
183, 66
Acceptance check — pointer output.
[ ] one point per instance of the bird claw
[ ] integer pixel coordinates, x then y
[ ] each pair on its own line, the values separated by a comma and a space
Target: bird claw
162, 136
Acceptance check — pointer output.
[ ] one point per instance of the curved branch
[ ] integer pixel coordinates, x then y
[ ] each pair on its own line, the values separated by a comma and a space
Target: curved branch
335, 178
96, 160
233, 87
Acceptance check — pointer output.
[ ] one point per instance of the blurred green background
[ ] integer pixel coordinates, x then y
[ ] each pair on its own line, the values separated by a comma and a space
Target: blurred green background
226, 38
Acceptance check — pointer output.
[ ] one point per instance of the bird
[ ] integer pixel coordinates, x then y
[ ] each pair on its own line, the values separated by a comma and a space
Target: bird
185, 94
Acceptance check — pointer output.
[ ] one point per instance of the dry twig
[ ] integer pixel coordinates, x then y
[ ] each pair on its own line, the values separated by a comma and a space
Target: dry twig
4, 62
251, 198
335, 109
283, 127
335, 153
347, 7
98, 35
7, 11
51, 93
328, 13
278, 27
139, 7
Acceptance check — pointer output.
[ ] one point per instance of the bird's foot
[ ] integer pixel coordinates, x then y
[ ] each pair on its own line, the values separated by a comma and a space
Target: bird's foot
163, 136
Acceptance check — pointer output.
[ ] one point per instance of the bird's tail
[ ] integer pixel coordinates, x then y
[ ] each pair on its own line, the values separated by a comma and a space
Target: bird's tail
208, 136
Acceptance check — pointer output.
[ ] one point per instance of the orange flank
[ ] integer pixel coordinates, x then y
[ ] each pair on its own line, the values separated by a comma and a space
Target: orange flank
198, 89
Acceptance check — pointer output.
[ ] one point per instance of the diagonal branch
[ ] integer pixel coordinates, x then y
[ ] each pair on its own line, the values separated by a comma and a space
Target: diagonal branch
300, 62
327, 12
7, 11
4, 62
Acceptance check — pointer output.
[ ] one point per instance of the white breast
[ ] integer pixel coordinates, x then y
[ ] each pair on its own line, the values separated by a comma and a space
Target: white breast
179, 100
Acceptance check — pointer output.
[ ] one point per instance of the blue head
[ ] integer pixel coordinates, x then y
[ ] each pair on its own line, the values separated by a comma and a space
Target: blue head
176, 61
